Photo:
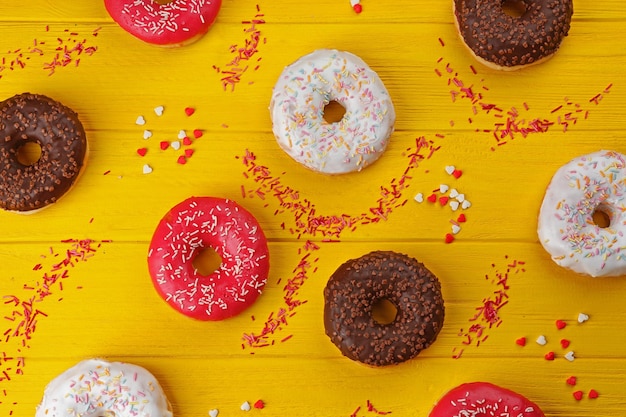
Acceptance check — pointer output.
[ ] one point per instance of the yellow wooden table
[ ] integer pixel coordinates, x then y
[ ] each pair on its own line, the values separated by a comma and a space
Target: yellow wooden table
74, 277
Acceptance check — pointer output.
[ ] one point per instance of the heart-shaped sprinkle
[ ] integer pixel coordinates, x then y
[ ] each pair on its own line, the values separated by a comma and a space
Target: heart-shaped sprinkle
189, 111
565, 343
443, 200
593, 394
571, 381
454, 205
549, 356
419, 197
186, 141
147, 134
460, 198
560, 324
140, 121
582, 317
245, 406
449, 238
164, 145
456, 229
466, 204
521, 341
175, 145
181, 134
159, 112
541, 340
453, 193
432, 198
462, 218
182, 160
214, 412
197, 133
444, 188
450, 169
189, 153
259, 404
578, 395
147, 169
142, 151
457, 173
570, 356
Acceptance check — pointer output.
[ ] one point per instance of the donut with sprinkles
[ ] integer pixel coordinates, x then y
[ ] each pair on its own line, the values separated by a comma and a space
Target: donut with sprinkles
219, 225
583, 213
96, 388
167, 23
299, 101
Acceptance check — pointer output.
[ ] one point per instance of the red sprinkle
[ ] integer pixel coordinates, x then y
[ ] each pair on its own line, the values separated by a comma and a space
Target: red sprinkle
259, 404
449, 238
182, 160
521, 341
565, 343
358, 8
571, 381
142, 151
578, 395
462, 218
560, 324
189, 111
593, 394
186, 141
188, 153
549, 356
164, 145
197, 133
432, 198
443, 200
457, 173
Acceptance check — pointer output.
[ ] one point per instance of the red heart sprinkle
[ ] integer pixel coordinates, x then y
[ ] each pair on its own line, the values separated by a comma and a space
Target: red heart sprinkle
197, 133
462, 218
449, 238
578, 395
549, 356
188, 153
457, 173
142, 151
443, 200
571, 380
357, 8
593, 394
164, 145
521, 341
182, 160
565, 343
186, 141
189, 111
259, 404
432, 198
560, 324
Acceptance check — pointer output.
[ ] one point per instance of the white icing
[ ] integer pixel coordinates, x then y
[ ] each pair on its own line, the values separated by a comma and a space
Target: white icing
566, 229
96, 388
297, 109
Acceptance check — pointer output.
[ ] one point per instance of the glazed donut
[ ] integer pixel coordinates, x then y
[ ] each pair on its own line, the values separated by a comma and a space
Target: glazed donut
357, 286
97, 388
587, 187
483, 399
506, 42
32, 118
165, 23
299, 99
231, 232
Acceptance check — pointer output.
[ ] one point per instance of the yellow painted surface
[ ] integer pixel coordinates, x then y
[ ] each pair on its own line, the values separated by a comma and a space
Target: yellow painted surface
105, 306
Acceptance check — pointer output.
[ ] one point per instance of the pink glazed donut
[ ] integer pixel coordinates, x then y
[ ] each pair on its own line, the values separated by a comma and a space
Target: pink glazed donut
225, 227
165, 23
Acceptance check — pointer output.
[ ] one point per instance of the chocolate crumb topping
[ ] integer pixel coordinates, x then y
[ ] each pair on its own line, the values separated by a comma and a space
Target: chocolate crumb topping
60, 135
357, 285
510, 41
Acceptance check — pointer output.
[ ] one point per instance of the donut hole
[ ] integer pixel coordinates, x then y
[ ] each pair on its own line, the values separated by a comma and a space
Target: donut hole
601, 217
29, 153
384, 311
514, 8
334, 112
206, 262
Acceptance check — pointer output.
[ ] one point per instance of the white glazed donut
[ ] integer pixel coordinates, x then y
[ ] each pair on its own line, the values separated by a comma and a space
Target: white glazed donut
96, 388
586, 185
297, 106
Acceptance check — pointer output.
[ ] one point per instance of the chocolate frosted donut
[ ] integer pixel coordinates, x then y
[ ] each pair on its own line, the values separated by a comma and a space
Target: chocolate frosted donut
56, 130
355, 289
508, 42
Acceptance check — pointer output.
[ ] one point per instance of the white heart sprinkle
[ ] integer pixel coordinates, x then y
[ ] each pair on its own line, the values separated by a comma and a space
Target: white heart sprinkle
453, 193
456, 229
454, 205
460, 198
182, 134
175, 145
582, 317
570, 356
159, 112
419, 198
444, 188
147, 169
541, 340
450, 169
214, 412
147, 134
140, 121
245, 406
466, 204
354, 2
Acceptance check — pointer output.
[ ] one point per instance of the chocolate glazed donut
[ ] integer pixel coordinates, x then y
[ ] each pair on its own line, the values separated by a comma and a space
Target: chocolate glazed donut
506, 41
31, 118
358, 285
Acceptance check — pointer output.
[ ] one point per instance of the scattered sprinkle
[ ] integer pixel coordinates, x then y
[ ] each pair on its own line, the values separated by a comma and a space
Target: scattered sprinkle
582, 317
570, 356
521, 341
571, 381
560, 324
593, 394
189, 111
245, 406
578, 395
565, 343
158, 110
541, 340
147, 169
140, 121
549, 356
142, 151
147, 134
259, 404
214, 412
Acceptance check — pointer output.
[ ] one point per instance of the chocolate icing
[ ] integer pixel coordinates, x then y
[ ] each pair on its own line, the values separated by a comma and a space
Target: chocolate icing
357, 285
509, 41
57, 130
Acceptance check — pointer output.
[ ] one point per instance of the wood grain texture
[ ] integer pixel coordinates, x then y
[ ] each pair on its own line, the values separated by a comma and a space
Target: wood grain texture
105, 305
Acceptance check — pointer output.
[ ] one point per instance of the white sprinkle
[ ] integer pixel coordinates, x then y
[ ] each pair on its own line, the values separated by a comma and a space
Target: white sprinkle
175, 145
354, 2
466, 204
159, 110
444, 188
454, 193
419, 198
147, 134
140, 121
147, 169
245, 406
450, 169
454, 205
182, 134
541, 340
214, 412
456, 229
570, 356
582, 317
